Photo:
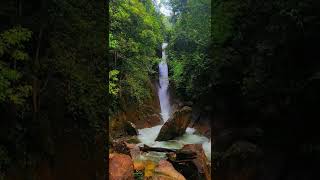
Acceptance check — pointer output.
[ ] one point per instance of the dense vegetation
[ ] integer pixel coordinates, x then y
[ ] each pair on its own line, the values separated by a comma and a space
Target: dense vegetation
261, 70
249, 63
52, 80
189, 45
135, 36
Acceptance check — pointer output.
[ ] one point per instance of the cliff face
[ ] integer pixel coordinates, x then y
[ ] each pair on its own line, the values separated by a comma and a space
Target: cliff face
143, 116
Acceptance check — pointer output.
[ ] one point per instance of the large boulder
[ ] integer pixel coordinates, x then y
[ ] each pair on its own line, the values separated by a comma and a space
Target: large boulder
130, 128
176, 125
194, 168
165, 171
120, 167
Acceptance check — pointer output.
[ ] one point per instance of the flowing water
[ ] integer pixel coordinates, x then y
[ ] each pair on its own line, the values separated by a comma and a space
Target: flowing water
163, 86
148, 135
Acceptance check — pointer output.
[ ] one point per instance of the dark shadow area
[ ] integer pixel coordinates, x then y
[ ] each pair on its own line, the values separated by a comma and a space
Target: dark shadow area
52, 102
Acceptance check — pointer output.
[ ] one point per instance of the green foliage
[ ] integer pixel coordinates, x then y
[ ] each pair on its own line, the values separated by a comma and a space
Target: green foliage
53, 61
261, 55
112, 42
113, 79
138, 30
12, 60
138, 175
15, 36
188, 44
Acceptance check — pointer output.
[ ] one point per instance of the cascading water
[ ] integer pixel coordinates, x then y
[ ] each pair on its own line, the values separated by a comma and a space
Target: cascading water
148, 135
163, 86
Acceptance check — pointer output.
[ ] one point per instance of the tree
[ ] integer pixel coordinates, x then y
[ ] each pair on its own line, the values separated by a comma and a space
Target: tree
137, 29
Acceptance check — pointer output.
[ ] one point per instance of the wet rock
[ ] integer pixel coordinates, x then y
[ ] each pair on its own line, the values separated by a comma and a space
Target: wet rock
165, 171
149, 168
176, 125
123, 146
134, 151
131, 129
196, 168
120, 167
120, 146
138, 165
135, 154
153, 120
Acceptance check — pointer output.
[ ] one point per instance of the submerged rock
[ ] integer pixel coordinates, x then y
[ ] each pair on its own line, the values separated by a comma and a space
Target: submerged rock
176, 125
120, 167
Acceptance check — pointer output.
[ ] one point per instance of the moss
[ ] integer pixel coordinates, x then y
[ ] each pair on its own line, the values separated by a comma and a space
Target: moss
138, 175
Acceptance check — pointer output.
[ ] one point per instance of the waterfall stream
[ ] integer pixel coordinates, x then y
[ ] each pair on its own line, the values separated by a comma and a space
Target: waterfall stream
148, 135
163, 86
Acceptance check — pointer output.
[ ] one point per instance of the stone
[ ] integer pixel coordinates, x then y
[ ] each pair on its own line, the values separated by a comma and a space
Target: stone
131, 129
176, 125
120, 167
138, 165
153, 120
149, 168
201, 160
166, 171
196, 168
123, 146
134, 151
120, 146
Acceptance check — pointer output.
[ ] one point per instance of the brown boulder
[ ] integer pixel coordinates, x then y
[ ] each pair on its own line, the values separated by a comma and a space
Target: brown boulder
201, 160
165, 171
119, 146
120, 167
131, 128
196, 168
176, 125
138, 165
134, 150
123, 147
153, 120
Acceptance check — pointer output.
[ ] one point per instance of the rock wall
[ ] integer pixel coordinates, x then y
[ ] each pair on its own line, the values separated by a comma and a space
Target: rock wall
145, 115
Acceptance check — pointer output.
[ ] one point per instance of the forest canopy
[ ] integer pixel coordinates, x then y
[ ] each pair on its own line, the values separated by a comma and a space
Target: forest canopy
136, 34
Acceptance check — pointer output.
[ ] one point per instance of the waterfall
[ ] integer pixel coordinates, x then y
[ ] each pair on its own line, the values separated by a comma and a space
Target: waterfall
148, 135
163, 86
